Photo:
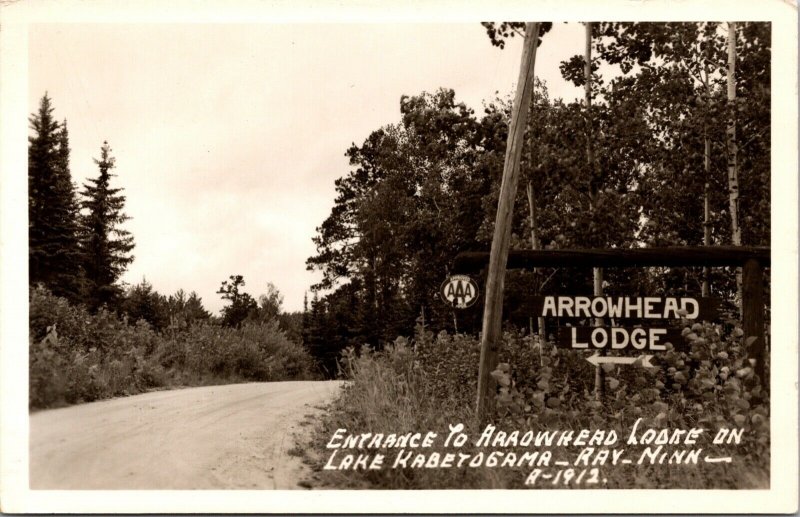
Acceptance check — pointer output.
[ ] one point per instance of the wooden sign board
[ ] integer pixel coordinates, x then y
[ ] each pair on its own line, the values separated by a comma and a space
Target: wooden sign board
619, 338
615, 308
625, 307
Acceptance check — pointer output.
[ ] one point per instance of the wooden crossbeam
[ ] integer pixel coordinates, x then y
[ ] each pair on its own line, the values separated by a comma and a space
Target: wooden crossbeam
674, 256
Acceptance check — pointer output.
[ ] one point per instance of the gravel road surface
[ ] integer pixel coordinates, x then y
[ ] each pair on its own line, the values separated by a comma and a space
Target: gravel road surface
213, 437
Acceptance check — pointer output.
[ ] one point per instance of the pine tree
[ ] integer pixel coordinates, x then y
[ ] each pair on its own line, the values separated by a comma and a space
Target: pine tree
142, 302
242, 304
184, 311
194, 308
106, 245
53, 244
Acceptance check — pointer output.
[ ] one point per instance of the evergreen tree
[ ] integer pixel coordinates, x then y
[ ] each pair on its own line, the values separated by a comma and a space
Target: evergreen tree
53, 245
305, 313
106, 245
194, 308
185, 311
291, 323
142, 302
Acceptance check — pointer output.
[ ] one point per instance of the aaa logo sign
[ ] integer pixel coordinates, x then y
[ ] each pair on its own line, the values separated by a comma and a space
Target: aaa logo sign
459, 291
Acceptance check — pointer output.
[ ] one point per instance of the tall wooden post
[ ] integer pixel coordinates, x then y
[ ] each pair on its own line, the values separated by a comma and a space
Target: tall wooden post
597, 273
493, 307
753, 314
535, 245
599, 373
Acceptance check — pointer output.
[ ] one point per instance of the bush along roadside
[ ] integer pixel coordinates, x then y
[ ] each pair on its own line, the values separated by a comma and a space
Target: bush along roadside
79, 357
664, 419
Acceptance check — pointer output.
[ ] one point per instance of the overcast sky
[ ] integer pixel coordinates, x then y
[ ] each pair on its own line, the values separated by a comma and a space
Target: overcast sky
228, 138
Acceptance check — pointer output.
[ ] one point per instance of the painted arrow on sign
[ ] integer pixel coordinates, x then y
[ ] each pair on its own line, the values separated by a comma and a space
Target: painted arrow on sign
642, 360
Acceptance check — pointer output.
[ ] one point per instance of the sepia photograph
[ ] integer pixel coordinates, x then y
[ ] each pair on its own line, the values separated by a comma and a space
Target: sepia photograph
274, 260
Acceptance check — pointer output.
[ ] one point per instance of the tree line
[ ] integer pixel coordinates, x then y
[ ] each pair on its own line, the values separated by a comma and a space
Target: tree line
91, 336
78, 247
671, 149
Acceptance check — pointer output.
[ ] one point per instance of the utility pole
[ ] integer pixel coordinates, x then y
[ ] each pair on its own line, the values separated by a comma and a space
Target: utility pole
493, 307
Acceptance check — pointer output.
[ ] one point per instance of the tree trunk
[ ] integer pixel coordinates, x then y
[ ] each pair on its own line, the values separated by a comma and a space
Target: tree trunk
532, 213
706, 291
733, 168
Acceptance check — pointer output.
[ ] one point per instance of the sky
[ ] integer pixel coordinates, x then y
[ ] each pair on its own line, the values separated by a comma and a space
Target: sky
228, 138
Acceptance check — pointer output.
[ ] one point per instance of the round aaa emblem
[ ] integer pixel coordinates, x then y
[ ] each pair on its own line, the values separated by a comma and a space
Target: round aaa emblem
459, 291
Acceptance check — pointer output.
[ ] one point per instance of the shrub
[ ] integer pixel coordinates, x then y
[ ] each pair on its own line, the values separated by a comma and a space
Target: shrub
449, 364
388, 393
47, 312
79, 357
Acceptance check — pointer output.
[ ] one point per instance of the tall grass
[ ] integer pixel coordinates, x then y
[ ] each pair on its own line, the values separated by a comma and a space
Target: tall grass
387, 393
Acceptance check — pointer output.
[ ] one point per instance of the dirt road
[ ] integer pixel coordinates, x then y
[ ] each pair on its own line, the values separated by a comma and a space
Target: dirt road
214, 437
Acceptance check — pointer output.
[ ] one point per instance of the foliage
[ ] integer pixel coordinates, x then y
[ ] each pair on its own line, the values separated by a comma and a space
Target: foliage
241, 303
141, 302
77, 247
419, 385
53, 245
76, 356
425, 189
257, 352
711, 385
185, 311
413, 200
386, 393
291, 323
269, 307
450, 363
679, 70
499, 32
174, 312
706, 383
106, 245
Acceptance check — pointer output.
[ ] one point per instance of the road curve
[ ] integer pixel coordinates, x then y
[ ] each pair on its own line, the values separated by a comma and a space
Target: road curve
212, 437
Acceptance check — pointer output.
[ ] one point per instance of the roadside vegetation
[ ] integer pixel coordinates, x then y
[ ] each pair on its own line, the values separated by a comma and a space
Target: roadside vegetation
429, 383
77, 356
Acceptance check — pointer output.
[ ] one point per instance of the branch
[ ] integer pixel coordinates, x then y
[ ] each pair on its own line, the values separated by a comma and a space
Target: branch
548, 279
757, 135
